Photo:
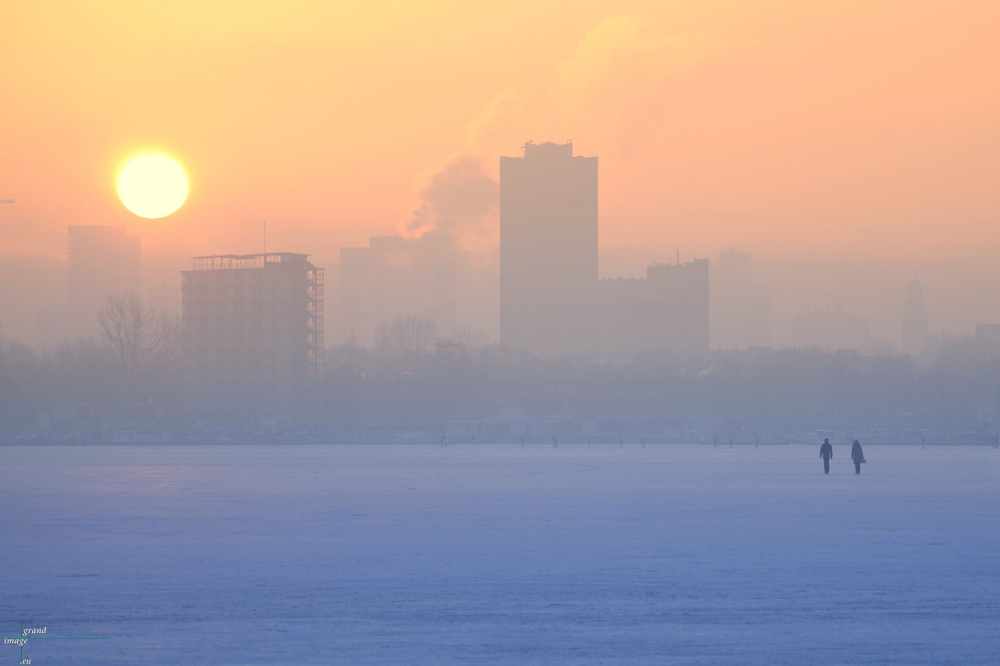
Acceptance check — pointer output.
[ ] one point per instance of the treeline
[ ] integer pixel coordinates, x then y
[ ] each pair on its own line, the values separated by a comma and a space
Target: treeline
135, 358
954, 387
415, 378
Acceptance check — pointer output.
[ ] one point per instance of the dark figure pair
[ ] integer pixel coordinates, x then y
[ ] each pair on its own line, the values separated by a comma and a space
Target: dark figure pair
857, 455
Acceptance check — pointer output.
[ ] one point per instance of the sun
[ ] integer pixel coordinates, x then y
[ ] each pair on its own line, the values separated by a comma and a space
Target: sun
152, 186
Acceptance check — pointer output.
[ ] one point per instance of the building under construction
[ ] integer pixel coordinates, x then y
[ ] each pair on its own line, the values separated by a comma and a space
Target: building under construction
253, 333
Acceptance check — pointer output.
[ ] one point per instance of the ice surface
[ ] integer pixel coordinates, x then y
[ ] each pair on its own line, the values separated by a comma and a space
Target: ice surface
501, 554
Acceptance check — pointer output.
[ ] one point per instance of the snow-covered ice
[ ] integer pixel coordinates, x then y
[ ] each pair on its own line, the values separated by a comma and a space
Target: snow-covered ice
501, 554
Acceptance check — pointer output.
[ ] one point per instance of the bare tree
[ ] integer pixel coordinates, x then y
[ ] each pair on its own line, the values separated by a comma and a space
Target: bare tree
135, 332
407, 334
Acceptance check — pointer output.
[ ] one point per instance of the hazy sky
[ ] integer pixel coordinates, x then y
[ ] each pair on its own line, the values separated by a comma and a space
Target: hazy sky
784, 128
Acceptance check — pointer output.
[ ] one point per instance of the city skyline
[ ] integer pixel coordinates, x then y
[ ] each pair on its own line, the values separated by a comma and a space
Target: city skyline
848, 231
500, 332
904, 168
850, 149
472, 294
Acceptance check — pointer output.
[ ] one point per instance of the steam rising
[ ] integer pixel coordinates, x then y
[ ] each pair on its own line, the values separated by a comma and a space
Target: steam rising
460, 200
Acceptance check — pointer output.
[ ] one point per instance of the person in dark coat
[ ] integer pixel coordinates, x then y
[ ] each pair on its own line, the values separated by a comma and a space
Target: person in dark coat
858, 456
826, 452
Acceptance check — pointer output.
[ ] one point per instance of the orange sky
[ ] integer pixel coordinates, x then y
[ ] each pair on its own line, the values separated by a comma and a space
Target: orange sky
784, 128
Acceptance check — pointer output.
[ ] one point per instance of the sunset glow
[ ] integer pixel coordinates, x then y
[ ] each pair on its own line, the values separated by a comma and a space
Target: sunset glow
857, 136
500, 332
152, 186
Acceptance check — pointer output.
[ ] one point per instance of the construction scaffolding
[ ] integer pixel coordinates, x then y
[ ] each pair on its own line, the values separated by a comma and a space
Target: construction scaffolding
314, 306
253, 332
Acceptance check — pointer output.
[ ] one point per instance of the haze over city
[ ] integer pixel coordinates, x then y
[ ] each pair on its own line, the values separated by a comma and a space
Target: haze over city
500, 332
850, 147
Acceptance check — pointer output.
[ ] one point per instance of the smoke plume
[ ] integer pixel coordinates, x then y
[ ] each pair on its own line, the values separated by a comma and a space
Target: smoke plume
458, 201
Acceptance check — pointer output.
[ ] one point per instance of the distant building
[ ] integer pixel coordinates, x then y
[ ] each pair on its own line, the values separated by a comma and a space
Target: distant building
395, 277
551, 300
548, 249
252, 332
741, 310
668, 309
103, 260
914, 327
831, 329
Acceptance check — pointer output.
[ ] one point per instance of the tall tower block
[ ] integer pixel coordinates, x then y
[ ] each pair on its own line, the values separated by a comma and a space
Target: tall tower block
548, 248
252, 333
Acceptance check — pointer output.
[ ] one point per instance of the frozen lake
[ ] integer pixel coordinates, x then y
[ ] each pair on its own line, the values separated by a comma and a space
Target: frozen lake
498, 554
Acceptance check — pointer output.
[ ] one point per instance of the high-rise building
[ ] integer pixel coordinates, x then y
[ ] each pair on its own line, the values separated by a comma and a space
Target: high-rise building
395, 277
252, 332
914, 327
679, 300
548, 249
741, 310
103, 261
668, 309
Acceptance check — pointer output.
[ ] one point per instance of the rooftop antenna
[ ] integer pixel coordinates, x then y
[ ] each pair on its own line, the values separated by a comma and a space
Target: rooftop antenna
264, 224
678, 256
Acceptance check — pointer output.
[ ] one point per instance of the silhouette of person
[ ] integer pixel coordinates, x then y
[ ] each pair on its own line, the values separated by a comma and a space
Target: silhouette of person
826, 452
858, 456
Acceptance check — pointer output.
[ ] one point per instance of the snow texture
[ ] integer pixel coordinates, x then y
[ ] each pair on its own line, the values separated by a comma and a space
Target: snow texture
500, 554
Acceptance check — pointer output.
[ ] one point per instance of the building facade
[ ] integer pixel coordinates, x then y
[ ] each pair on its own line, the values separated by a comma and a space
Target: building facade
551, 300
252, 333
741, 310
668, 309
548, 249
394, 277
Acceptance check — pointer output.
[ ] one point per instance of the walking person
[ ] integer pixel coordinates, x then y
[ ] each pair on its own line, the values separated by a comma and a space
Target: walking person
858, 456
826, 452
